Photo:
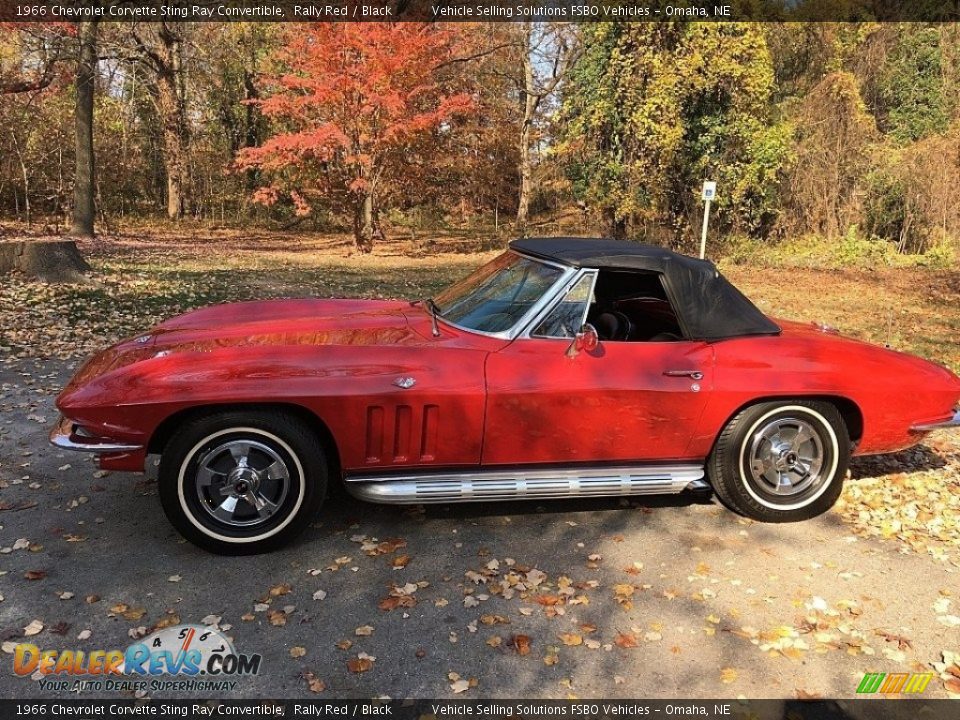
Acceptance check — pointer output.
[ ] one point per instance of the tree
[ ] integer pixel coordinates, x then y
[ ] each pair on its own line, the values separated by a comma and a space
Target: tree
33, 62
913, 87
653, 109
162, 47
831, 156
40, 47
84, 178
547, 52
350, 102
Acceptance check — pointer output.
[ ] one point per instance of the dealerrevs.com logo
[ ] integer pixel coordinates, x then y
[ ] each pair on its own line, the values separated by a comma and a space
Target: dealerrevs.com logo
192, 656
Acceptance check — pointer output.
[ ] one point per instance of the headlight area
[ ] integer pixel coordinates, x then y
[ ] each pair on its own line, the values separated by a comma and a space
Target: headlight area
68, 435
111, 454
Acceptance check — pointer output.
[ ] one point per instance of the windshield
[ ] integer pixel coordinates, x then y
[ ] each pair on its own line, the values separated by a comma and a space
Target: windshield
496, 296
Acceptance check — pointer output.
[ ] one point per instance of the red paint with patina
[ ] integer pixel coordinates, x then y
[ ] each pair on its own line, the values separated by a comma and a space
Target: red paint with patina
479, 399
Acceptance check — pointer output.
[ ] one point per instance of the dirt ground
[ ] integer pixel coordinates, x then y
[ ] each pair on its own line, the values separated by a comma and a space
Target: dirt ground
671, 598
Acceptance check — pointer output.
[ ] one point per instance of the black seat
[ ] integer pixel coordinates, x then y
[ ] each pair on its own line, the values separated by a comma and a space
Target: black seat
613, 325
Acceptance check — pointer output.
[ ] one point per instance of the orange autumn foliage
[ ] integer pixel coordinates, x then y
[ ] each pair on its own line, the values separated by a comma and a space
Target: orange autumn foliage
353, 104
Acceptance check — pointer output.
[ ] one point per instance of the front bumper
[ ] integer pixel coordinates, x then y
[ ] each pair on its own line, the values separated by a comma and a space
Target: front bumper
953, 422
67, 435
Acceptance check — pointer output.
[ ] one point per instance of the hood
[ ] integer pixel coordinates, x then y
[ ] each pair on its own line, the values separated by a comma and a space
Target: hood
287, 323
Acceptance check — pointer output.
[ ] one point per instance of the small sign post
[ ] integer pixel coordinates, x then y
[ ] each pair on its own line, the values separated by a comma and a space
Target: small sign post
709, 193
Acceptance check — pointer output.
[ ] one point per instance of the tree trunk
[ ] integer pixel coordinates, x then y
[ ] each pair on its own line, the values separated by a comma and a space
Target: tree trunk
529, 101
616, 226
50, 260
366, 226
84, 186
171, 104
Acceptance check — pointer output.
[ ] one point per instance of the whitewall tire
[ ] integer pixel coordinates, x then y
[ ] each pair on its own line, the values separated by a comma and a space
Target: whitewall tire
242, 482
781, 461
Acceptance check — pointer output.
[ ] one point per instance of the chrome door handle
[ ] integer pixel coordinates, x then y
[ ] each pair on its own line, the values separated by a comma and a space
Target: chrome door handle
694, 374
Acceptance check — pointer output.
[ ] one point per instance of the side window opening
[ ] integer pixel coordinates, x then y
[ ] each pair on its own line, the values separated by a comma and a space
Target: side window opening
567, 317
631, 306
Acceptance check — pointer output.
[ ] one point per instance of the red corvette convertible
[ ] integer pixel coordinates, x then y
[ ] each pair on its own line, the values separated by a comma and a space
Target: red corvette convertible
563, 368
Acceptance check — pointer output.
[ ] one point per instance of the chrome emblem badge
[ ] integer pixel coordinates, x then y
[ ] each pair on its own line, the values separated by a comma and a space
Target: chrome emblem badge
405, 383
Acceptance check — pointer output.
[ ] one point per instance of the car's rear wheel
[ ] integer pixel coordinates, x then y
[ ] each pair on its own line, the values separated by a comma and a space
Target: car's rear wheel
781, 461
245, 482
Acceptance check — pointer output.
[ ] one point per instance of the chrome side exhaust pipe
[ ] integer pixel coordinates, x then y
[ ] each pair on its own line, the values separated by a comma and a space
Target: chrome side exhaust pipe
480, 486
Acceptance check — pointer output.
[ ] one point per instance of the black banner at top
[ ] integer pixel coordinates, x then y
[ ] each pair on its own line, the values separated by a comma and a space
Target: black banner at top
480, 10
508, 709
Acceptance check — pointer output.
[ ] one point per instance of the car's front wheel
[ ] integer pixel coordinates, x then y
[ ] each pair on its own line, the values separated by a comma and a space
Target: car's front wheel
242, 482
781, 461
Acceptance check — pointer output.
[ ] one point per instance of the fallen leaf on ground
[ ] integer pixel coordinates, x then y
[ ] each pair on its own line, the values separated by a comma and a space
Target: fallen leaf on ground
359, 665
548, 600
315, 684
494, 620
521, 643
459, 686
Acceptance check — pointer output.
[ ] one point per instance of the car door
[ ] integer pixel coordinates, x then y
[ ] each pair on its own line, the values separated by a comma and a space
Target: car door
621, 402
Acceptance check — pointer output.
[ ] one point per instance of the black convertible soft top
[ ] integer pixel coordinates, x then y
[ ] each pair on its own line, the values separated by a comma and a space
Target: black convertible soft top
707, 305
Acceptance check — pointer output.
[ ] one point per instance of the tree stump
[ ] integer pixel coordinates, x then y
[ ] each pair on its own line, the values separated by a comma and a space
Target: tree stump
55, 260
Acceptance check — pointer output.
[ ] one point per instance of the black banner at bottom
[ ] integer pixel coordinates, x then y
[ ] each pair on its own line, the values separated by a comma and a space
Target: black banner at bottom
865, 709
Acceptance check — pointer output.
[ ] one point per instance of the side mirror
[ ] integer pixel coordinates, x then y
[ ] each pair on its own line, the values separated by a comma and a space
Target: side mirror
585, 340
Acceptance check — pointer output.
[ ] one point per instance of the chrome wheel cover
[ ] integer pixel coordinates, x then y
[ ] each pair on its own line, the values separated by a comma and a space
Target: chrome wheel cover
242, 483
785, 458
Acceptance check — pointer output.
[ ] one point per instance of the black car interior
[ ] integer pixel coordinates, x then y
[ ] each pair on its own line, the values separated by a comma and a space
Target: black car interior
631, 306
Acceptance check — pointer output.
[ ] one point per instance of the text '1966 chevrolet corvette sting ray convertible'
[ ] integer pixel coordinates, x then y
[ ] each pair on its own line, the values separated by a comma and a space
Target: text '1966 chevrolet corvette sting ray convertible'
565, 367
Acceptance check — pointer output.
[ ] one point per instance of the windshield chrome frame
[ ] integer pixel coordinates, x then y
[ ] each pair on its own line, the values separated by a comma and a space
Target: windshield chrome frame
558, 298
559, 287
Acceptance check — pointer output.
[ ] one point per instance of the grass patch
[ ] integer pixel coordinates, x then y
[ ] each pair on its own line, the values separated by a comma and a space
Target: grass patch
142, 280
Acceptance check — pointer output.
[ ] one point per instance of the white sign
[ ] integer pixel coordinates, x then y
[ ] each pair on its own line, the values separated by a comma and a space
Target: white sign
709, 190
